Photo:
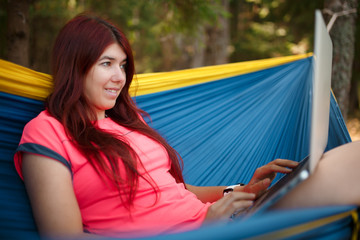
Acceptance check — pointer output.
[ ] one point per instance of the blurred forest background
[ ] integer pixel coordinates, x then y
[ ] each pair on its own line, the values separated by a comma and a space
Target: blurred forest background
169, 35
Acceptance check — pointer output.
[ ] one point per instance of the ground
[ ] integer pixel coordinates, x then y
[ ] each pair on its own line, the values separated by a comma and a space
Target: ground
353, 125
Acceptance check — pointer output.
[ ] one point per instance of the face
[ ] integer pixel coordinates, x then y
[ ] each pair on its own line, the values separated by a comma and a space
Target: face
105, 80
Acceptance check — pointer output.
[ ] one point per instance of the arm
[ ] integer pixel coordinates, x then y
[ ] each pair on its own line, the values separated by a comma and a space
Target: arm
209, 194
260, 181
242, 196
223, 206
206, 194
49, 187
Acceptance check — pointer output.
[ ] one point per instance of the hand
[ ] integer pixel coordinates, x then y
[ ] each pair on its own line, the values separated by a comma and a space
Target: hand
264, 175
226, 206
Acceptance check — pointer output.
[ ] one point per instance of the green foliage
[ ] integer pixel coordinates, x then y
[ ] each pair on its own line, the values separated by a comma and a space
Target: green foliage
172, 34
147, 23
272, 28
184, 16
258, 28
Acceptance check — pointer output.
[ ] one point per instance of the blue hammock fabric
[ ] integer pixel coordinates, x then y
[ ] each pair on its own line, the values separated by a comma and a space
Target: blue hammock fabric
224, 130
232, 126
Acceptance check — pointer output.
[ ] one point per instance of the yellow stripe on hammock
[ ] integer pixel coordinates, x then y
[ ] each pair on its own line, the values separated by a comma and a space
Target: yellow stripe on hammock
22, 81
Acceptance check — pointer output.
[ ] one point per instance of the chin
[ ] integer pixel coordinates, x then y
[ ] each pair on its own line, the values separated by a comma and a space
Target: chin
109, 106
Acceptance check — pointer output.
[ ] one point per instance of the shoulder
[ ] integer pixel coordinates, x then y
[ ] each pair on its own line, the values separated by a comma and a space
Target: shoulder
43, 126
46, 131
44, 119
45, 136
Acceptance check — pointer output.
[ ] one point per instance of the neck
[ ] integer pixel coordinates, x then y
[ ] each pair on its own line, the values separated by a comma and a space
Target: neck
101, 115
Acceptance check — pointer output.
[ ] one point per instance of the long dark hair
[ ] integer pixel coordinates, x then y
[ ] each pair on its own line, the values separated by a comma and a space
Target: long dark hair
78, 46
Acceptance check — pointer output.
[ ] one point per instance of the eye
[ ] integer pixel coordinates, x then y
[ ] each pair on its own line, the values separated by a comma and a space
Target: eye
123, 66
106, 64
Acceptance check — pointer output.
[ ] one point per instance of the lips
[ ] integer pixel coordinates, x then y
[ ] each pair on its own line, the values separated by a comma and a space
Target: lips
112, 91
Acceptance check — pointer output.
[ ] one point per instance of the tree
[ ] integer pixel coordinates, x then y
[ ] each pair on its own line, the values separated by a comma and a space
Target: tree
343, 37
47, 17
18, 31
192, 33
354, 105
218, 39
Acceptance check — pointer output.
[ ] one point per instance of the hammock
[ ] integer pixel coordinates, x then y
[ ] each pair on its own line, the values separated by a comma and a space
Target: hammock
225, 121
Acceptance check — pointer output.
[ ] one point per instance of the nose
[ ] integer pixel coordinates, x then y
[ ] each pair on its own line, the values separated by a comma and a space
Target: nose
119, 75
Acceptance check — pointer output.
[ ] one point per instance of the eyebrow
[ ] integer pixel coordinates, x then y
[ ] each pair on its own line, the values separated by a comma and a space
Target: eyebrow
106, 57
110, 58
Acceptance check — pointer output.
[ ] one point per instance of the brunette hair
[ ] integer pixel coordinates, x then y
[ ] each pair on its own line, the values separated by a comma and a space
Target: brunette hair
77, 47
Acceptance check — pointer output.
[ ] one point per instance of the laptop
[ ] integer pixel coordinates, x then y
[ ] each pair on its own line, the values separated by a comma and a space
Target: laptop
319, 124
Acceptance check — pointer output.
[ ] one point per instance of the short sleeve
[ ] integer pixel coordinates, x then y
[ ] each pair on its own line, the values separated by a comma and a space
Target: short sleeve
45, 136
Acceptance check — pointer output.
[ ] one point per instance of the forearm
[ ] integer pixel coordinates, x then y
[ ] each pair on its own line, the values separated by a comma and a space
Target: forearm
207, 194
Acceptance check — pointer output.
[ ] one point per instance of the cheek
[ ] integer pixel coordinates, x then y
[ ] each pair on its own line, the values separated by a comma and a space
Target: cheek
88, 91
93, 84
92, 92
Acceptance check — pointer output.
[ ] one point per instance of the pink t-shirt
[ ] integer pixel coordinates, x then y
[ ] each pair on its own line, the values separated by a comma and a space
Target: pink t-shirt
176, 209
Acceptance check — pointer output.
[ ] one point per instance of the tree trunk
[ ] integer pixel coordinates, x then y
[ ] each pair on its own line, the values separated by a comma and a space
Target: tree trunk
18, 31
218, 39
354, 96
354, 105
343, 37
198, 57
42, 38
167, 47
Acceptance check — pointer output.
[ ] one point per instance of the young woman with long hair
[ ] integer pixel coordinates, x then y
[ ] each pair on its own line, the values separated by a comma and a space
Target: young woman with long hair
91, 164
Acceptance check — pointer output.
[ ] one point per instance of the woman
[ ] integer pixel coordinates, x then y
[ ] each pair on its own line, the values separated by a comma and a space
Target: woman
92, 165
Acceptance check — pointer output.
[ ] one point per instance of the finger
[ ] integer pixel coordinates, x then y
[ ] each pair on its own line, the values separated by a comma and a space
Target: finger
259, 187
235, 201
285, 163
237, 196
219, 212
226, 206
239, 206
279, 169
278, 165
233, 197
270, 169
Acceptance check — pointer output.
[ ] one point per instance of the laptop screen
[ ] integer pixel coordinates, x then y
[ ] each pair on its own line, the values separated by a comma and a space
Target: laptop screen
322, 65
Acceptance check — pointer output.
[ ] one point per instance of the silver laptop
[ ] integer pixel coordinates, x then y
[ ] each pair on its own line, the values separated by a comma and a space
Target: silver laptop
319, 125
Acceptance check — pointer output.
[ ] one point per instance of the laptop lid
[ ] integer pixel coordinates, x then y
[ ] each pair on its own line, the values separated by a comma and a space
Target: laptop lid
319, 122
321, 91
